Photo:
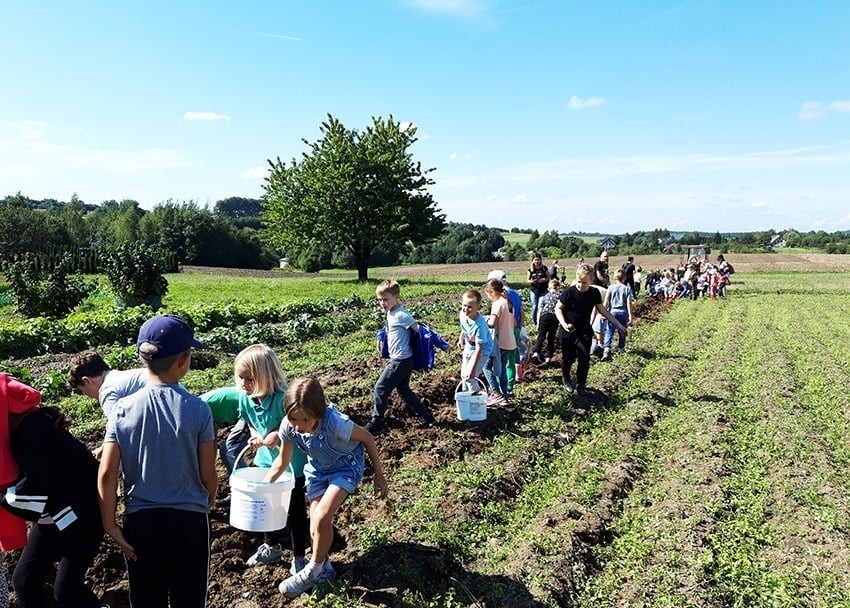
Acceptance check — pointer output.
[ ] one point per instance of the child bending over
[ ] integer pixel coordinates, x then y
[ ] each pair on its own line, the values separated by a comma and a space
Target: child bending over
335, 448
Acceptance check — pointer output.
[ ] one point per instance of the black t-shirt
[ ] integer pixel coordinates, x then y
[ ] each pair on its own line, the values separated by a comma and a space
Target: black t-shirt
600, 267
539, 278
629, 269
578, 305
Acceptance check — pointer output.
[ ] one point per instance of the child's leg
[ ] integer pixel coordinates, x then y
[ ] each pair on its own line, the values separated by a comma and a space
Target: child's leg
322, 513
493, 370
411, 399
299, 528
504, 355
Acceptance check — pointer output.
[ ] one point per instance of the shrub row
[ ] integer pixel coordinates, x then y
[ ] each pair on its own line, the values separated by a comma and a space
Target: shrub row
80, 331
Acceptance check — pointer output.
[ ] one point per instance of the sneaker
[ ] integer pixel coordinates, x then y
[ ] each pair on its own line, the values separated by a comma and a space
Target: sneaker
223, 501
495, 399
582, 389
297, 584
375, 426
606, 354
546, 361
298, 565
535, 358
328, 574
265, 555
425, 423
568, 386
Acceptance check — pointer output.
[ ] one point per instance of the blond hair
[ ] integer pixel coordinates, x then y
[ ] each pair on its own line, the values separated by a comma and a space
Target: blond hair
264, 366
389, 286
583, 270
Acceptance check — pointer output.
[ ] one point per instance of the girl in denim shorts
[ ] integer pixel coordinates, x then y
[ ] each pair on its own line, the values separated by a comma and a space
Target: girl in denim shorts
335, 449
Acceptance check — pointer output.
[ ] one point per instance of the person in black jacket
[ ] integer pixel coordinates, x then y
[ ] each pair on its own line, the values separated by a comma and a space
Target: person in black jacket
57, 489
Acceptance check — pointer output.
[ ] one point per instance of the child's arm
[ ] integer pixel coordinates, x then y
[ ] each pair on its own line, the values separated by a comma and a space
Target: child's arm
473, 362
281, 462
600, 309
206, 467
271, 440
256, 440
358, 433
107, 489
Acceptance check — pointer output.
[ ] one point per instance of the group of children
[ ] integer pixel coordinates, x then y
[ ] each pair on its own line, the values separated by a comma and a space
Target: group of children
160, 442
691, 280
159, 446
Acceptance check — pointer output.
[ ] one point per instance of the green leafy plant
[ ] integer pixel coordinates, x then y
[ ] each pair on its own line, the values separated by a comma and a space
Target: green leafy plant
135, 273
38, 292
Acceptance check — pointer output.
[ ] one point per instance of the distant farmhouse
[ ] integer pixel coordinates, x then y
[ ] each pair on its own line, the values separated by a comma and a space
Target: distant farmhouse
609, 242
778, 240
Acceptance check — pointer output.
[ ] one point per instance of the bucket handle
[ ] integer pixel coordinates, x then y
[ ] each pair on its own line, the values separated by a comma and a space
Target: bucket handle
463, 384
241, 454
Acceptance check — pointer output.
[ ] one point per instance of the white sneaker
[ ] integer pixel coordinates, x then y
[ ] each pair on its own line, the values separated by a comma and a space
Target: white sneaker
297, 584
265, 555
298, 565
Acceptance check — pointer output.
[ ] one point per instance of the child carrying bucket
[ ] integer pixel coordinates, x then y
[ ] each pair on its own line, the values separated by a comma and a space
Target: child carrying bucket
258, 398
335, 448
474, 340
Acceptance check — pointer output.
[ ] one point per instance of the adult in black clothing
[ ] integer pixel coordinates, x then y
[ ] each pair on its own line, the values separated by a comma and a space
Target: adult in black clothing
600, 271
57, 489
575, 333
538, 281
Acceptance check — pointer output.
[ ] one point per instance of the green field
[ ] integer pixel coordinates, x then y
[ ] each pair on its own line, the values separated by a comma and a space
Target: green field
710, 469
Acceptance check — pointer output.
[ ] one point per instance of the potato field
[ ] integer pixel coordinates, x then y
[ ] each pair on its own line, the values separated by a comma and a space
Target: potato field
709, 466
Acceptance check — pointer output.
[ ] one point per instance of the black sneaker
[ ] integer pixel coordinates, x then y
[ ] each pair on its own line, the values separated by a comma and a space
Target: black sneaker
568, 386
582, 389
223, 501
375, 426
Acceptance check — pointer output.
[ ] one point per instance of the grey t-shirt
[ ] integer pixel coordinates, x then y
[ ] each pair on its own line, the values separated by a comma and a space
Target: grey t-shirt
398, 334
117, 384
158, 429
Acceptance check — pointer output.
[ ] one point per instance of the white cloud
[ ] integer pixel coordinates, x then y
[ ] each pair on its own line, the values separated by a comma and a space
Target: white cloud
840, 106
759, 204
577, 103
205, 116
462, 8
458, 156
27, 152
490, 198
277, 36
520, 198
255, 172
813, 110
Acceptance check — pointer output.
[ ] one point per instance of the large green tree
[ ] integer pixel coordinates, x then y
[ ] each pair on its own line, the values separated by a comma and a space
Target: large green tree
351, 192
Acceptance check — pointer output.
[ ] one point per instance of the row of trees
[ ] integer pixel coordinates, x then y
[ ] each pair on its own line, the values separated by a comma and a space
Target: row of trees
353, 199
195, 234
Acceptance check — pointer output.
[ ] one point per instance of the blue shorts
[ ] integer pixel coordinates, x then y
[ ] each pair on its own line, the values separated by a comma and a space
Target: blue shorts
347, 477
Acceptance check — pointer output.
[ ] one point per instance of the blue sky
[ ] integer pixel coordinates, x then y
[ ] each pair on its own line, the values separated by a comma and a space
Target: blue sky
608, 117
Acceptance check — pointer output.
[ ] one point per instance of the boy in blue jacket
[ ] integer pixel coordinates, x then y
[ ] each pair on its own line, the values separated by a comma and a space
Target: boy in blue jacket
396, 375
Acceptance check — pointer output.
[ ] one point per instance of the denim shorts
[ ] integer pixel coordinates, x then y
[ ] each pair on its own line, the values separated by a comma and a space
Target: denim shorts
346, 477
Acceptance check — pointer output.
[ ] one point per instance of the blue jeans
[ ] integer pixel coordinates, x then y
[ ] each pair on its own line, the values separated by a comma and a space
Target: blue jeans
236, 441
535, 300
396, 376
493, 371
623, 317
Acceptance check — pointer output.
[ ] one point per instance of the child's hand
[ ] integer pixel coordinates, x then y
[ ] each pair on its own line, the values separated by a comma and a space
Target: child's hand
255, 442
271, 439
381, 489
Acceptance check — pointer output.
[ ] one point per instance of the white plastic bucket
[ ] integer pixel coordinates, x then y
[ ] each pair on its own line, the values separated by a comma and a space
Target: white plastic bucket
471, 402
256, 505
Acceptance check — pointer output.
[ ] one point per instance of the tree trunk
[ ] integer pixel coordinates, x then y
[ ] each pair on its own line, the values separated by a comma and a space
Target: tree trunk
361, 261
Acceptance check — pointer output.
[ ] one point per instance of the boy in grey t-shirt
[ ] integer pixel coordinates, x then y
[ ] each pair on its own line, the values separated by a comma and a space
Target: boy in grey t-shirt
164, 439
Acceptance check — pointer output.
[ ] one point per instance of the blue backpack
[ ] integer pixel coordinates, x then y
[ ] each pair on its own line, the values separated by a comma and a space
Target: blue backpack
423, 343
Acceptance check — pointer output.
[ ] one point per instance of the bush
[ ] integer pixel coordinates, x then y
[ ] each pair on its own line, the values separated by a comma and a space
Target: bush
135, 272
51, 293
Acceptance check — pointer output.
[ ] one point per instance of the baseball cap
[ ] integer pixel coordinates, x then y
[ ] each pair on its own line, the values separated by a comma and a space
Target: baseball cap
165, 335
499, 275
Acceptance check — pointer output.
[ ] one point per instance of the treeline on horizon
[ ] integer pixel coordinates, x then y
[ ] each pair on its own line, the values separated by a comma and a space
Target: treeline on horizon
230, 233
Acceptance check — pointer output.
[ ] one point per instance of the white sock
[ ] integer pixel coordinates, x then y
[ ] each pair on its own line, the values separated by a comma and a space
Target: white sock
314, 569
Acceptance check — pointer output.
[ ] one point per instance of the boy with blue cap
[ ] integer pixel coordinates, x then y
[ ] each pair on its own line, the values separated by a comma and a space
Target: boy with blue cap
164, 438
